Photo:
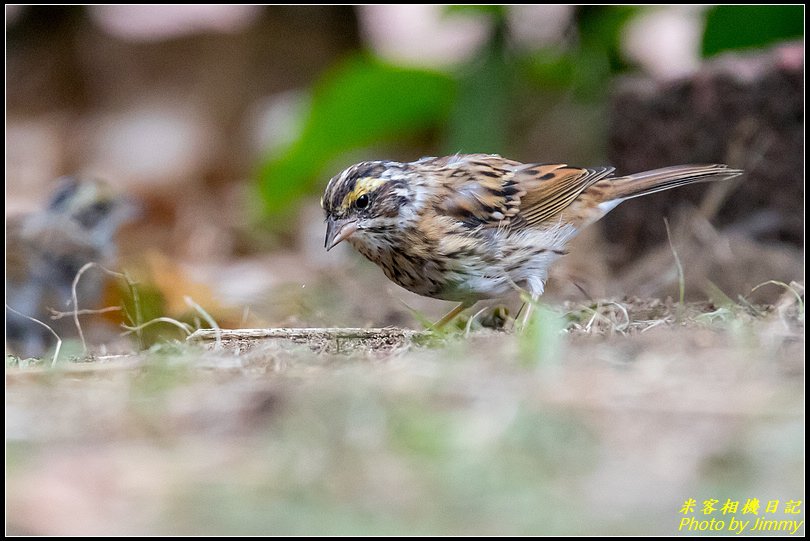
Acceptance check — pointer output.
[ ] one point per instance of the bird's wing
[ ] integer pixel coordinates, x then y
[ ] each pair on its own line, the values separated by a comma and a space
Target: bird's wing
551, 188
489, 191
478, 190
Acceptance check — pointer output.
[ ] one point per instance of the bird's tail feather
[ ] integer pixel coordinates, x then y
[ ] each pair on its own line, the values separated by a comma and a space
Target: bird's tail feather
669, 177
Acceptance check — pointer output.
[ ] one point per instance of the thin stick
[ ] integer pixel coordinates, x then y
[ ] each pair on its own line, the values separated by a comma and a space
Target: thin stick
136, 300
56, 314
788, 288
468, 326
58, 340
74, 296
208, 318
182, 326
681, 280
654, 324
626, 317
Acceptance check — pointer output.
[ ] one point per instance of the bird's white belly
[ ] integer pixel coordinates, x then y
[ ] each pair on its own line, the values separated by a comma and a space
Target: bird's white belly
521, 261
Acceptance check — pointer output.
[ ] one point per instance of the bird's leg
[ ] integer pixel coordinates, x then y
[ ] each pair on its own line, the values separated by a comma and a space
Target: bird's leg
452, 314
529, 306
535, 287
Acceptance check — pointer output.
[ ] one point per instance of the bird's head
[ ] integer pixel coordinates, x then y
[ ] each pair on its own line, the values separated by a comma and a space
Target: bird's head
93, 204
368, 201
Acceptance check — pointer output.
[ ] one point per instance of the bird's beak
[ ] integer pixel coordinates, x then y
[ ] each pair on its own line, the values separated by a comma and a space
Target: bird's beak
338, 230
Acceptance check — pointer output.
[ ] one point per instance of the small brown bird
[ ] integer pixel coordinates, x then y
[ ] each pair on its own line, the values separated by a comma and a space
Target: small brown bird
45, 250
477, 226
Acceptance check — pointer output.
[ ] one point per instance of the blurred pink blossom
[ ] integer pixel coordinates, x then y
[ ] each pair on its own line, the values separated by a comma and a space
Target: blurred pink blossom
153, 23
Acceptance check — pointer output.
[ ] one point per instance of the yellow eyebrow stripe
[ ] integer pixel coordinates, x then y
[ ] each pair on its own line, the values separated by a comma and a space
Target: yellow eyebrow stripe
362, 186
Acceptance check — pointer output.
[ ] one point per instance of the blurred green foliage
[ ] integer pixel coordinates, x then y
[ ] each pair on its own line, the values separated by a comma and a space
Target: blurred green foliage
542, 341
585, 66
364, 101
474, 106
361, 101
737, 27
145, 314
498, 11
479, 117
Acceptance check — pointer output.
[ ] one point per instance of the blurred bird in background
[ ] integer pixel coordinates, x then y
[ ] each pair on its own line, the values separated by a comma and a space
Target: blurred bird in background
46, 249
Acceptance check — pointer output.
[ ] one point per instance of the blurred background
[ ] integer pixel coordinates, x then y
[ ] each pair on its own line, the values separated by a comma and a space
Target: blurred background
224, 124
217, 129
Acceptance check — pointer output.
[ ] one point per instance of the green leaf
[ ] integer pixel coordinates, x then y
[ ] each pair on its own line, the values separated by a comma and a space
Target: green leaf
737, 27
551, 67
361, 101
497, 11
601, 29
587, 65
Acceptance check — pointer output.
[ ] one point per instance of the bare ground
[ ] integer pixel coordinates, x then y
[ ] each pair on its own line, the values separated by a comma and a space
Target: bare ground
604, 418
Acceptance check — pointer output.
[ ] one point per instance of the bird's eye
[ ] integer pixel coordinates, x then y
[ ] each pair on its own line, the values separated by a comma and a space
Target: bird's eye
94, 214
362, 201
